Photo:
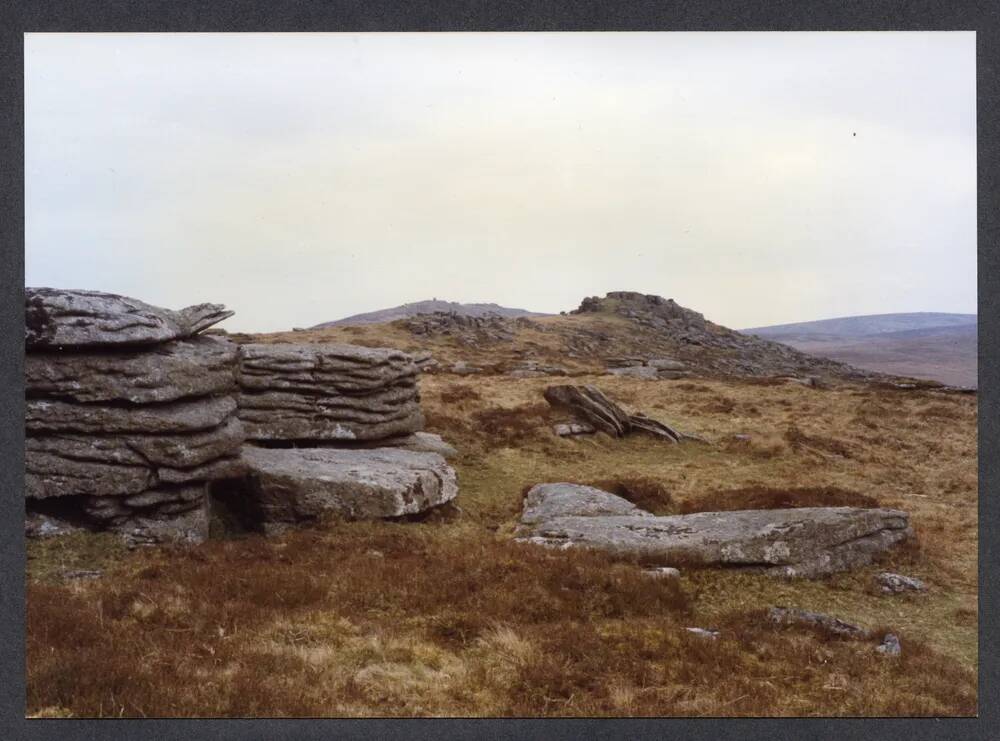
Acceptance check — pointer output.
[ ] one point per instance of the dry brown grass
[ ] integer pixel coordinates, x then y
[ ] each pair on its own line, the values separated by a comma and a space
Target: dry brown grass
765, 497
395, 619
450, 617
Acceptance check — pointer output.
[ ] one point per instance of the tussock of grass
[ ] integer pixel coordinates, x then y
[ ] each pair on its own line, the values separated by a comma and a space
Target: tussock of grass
765, 497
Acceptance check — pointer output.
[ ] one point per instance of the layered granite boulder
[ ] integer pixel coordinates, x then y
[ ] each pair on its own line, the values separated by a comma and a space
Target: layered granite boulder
806, 542
327, 392
335, 430
303, 485
128, 414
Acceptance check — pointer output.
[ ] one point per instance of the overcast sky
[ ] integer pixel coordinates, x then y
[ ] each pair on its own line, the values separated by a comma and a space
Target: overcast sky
758, 178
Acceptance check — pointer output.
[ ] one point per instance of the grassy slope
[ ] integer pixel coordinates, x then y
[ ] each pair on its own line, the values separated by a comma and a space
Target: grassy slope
449, 617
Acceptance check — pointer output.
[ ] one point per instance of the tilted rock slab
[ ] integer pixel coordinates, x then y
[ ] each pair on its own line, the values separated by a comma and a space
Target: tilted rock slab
327, 392
590, 406
808, 542
79, 319
295, 485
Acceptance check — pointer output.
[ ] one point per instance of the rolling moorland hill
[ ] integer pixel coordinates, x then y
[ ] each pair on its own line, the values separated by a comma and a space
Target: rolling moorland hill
933, 346
623, 328
863, 326
427, 307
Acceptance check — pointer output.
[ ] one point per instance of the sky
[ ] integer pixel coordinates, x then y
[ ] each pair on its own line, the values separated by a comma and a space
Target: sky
758, 178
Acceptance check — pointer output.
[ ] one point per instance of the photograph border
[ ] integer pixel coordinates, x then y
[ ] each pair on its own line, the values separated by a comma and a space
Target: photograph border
25, 16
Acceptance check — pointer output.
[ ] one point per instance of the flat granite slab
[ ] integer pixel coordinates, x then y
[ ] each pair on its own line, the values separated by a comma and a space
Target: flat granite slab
289, 486
807, 541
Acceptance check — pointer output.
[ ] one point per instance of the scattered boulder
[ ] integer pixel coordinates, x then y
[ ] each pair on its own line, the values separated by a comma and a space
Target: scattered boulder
626, 362
636, 371
462, 368
294, 486
67, 319
327, 392
424, 361
569, 429
534, 369
889, 583
82, 574
38, 525
663, 572
666, 364
805, 542
546, 502
467, 329
704, 633
826, 623
890, 645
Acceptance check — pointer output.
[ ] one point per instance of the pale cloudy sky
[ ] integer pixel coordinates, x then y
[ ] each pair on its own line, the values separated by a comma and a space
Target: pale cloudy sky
756, 177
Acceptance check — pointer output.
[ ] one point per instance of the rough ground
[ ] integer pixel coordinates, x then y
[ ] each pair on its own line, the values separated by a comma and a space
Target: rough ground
448, 616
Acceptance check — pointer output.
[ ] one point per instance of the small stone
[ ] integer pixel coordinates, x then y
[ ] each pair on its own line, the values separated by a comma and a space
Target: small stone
663, 572
667, 364
636, 371
890, 583
569, 429
828, 623
37, 525
704, 633
890, 645
82, 574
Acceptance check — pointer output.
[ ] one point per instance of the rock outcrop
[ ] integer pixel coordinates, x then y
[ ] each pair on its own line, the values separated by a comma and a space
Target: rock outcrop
127, 414
131, 416
466, 329
294, 486
336, 430
808, 541
662, 329
327, 392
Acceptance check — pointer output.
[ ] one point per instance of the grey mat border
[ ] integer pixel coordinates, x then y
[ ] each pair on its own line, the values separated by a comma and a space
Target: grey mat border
21, 16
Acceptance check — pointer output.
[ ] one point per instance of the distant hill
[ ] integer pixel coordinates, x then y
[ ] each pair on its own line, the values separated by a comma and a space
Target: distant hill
427, 307
937, 346
622, 329
863, 326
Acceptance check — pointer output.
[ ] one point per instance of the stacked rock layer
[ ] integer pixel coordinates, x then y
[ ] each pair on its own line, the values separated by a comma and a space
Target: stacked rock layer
327, 392
128, 413
335, 430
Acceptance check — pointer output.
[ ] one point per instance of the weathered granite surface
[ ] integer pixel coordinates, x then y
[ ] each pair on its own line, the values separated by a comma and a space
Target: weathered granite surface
75, 319
809, 541
127, 416
295, 485
327, 392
